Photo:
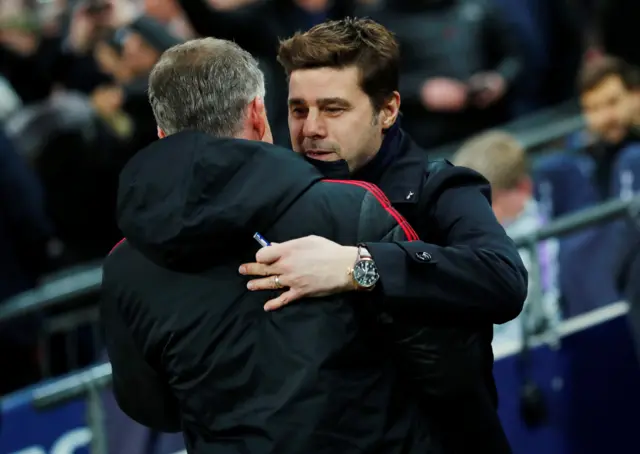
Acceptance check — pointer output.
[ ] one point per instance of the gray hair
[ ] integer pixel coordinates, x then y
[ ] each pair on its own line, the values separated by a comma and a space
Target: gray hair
204, 85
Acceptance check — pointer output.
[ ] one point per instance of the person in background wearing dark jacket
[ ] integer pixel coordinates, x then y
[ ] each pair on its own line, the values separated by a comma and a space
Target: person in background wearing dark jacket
191, 348
460, 60
25, 232
466, 272
142, 41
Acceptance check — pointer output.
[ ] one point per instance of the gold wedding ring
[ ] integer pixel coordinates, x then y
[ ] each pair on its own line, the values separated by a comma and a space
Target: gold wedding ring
276, 281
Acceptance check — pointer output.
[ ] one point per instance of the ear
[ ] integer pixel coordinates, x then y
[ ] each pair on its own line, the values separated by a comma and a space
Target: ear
161, 133
390, 110
526, 185
258, 119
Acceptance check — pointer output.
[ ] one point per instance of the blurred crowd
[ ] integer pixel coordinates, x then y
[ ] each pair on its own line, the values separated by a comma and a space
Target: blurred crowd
598, 265
74, 108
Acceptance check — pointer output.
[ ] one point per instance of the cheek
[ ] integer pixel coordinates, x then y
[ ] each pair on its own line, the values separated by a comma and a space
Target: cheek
594, 119
354, 137
344, 132
295, 133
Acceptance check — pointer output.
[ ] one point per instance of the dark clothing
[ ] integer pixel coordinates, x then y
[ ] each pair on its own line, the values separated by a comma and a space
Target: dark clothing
465, 273
193, 350
617, 22
25, 228
454, 39
605, 156
628, 282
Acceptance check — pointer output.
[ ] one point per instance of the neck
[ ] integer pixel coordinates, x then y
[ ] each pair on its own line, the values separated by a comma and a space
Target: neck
388, 149
506, 215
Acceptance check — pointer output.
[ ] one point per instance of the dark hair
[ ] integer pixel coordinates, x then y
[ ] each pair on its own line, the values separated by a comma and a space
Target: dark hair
363, 43
594, 72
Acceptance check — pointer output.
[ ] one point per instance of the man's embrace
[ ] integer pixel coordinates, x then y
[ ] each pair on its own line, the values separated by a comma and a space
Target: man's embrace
191, 347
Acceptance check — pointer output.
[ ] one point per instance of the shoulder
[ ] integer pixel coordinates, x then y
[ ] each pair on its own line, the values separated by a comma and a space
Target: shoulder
378, 218
340, 192
366, 192
354, 186
116, 254
446, 186
116, 266
442, 175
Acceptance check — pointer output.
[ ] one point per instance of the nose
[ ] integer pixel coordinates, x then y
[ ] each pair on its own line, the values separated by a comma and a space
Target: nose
313, 125
610, 117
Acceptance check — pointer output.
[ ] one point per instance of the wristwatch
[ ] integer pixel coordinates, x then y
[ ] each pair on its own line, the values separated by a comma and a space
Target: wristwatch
364, 272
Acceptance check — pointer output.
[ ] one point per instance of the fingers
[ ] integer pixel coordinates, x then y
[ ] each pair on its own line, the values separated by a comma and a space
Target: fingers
286, 298
266, 283
271, 253
257, 269
277, 251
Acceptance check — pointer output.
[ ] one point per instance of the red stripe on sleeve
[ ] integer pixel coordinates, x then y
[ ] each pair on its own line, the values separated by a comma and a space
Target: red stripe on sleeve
374, 190
116, 246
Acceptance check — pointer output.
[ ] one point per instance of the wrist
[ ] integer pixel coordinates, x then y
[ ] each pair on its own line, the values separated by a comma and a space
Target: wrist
364, 273
351, 252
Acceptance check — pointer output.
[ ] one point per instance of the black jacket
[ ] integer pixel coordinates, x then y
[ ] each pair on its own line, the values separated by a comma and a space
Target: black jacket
465, 275
193, 350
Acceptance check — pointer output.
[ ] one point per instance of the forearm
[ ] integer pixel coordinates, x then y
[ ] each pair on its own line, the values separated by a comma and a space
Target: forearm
451, 281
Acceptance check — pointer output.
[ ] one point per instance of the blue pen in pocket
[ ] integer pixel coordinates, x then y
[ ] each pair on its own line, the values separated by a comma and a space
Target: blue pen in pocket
260, 239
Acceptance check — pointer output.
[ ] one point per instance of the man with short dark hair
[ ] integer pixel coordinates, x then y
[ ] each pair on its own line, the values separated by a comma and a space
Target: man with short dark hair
466, 272
605, 86
191, 348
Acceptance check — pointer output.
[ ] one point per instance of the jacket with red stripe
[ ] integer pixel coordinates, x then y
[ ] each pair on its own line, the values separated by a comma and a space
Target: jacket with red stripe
193, 350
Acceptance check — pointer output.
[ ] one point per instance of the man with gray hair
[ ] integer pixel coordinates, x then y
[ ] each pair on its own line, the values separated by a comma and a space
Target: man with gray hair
192, 348
217, 104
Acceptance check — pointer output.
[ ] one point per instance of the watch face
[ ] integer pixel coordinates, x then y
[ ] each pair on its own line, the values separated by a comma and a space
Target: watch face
365, 273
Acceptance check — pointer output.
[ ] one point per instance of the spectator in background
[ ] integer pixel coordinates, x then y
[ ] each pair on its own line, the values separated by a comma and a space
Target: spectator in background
143, 41
10, 102
606, 93
104, 57
606, 167
108, 56
25, 229
25, 232
605, 85
36, 59
501, 159
634, 88
169, 14
460, 58
551, 37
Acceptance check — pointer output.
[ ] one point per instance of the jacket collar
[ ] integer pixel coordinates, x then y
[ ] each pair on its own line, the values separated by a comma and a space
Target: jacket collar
398, 168
389, 151
401, 175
